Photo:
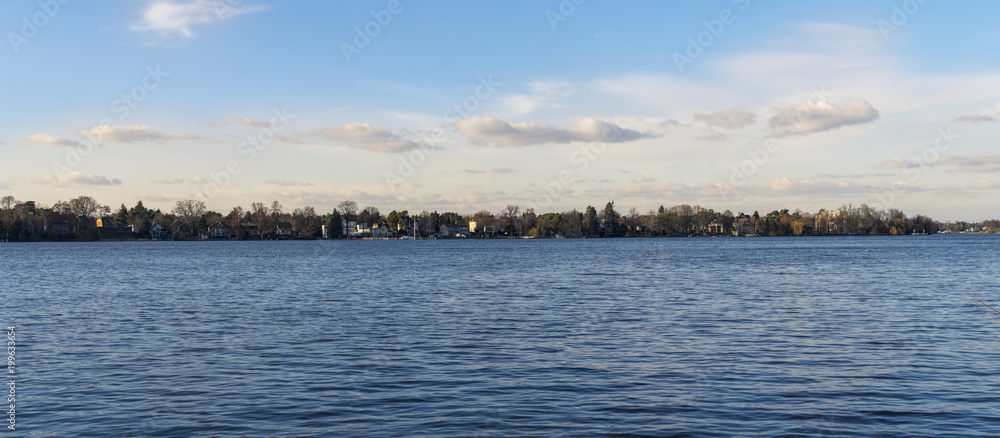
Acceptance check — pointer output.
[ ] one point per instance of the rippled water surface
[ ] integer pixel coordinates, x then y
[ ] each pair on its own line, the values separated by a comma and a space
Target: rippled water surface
872, 336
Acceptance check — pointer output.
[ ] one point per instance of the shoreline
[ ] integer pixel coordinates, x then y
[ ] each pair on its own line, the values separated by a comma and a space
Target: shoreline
489, 238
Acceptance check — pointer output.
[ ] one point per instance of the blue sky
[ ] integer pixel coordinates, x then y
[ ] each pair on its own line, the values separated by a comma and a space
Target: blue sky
783, 104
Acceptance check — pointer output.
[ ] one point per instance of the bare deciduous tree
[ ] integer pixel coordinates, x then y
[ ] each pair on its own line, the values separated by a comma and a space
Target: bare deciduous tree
190, 210
348, 208
259, 213
84, 206
509, 215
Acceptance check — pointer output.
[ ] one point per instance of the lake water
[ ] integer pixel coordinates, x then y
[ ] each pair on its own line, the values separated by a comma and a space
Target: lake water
845, 336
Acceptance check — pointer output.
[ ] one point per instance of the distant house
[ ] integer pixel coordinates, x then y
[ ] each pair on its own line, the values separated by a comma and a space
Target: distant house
251, 231
472, 226
218, 230
454, 231
107, 229
284, 229
157, 231
380, 231
828, 221
715, 228
349, 228
742, 224
182, 229
362, 230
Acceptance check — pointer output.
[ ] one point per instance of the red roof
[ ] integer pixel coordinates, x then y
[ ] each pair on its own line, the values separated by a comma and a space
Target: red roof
284, 225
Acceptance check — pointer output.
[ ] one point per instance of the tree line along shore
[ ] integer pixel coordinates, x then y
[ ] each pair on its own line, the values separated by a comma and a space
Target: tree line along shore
84, 219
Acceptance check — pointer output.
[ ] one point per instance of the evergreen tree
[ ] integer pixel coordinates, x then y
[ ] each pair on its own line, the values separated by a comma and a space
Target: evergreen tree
335, 226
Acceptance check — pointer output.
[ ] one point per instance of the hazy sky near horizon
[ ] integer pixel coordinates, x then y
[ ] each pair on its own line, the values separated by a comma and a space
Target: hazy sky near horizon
463, 106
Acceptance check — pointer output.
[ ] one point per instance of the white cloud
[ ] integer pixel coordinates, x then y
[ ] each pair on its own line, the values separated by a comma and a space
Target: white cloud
48, 140
74, 179
503, 170
177, 18
816, 115
364, 136
976, 118
642, 179
733, 118
123, 134
527, 133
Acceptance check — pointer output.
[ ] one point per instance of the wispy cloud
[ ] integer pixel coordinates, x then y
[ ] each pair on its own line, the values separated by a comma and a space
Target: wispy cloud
123, 134
980, 163
541, 94
976, 118
112, 134
176, 18
75, 179
733, 118
364, 136
48, 140
503, 170
527, 133
899, 163
248, 122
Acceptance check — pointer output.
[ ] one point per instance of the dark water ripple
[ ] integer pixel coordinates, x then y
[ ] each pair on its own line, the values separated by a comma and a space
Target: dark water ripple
668, 337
